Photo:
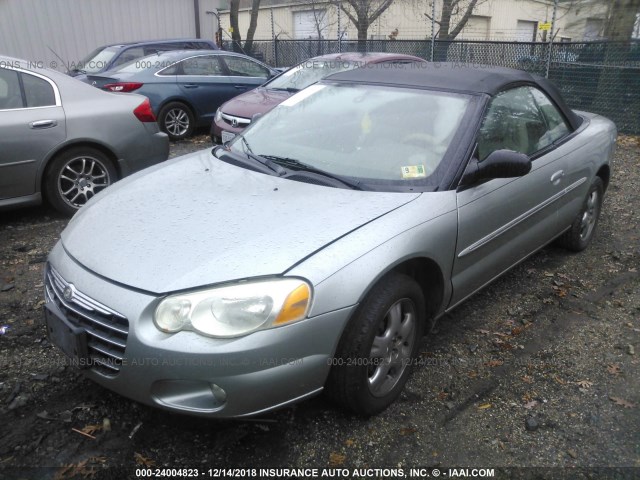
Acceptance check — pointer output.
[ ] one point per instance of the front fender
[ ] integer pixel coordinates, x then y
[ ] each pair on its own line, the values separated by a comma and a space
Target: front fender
346, 270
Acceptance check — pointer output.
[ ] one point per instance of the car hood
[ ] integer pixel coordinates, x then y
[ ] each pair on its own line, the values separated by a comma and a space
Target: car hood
259, 100
197, 221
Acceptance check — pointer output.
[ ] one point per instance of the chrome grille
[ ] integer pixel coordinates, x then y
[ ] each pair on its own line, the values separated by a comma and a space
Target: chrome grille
107, 330
236, 121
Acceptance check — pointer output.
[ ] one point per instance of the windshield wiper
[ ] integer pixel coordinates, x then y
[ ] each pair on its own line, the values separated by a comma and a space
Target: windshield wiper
298, 165
286, 89
78, 70
267, 162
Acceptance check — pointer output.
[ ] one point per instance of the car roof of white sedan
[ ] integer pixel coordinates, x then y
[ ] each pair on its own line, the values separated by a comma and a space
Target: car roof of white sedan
452, 77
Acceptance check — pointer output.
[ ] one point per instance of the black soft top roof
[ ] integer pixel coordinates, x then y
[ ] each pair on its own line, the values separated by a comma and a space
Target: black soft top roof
454, 77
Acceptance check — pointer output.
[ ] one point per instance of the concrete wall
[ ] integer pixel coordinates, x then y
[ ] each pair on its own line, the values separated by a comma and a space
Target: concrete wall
34, 29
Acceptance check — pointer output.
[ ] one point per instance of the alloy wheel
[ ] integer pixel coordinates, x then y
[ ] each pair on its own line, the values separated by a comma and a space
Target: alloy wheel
81, 178
392, 347
589, 215
177, 122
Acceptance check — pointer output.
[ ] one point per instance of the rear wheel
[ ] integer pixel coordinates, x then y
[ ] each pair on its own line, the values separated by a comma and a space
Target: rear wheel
75, 176
374, 356
578, 237
176, 120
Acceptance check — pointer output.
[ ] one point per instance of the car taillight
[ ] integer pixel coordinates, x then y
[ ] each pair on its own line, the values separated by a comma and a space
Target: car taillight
144, 113
123, 86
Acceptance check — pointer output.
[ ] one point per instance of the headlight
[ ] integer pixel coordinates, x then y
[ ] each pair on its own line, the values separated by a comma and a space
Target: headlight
218, 115
235, 310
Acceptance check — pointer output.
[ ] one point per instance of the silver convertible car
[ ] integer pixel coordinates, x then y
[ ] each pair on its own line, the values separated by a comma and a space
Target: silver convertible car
313, 251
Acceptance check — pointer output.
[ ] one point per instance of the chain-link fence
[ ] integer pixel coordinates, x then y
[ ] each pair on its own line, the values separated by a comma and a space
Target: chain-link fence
601, 77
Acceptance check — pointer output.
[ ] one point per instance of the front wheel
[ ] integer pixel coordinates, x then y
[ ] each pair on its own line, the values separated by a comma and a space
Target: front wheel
176, 120
75, 176
578, 237
376, 351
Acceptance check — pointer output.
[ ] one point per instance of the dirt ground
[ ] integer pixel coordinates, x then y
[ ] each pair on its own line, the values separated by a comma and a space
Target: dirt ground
538, 370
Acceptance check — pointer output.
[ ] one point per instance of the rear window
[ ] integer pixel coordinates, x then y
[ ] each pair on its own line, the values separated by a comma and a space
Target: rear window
98, 59
129, 55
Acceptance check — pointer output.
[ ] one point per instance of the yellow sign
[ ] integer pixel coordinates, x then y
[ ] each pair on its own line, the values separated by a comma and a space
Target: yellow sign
544, 26
230, 29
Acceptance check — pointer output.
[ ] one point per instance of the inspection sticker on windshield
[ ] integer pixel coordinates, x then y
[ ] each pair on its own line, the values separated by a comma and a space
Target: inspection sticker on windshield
298, 97
413, 171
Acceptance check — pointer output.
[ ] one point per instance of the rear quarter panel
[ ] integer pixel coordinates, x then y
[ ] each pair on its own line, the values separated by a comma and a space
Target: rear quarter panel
106, 119
591, 149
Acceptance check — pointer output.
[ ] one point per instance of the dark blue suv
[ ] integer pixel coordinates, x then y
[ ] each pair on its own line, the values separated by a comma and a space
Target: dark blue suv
110, 57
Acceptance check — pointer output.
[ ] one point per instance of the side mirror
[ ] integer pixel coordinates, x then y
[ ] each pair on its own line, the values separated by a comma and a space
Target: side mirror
499, 164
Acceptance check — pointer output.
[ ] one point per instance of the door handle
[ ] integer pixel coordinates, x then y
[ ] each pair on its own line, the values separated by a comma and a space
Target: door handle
43, 124
190, 85
556, 177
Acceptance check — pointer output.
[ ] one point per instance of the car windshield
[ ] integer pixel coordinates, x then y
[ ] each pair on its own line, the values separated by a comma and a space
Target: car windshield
98, 59
378, 136
309, 72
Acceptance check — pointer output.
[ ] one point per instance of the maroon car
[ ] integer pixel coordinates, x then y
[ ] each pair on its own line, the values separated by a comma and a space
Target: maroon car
236, 114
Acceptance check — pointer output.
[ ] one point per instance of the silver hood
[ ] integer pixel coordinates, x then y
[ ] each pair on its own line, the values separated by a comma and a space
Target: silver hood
197, 221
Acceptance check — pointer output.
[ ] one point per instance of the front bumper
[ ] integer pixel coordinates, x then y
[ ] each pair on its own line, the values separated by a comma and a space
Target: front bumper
224, 125
189, 373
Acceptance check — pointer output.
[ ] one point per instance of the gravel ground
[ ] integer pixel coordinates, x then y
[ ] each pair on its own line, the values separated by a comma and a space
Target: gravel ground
538, 370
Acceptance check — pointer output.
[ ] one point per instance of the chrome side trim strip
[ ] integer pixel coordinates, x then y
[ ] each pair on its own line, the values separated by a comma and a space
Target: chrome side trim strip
448, 309
508, 226
19, 162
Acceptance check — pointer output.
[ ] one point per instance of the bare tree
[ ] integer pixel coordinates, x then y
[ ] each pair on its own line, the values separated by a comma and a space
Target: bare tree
236, 38
322, 21
621, 20
234, 8
453, 17
362, 13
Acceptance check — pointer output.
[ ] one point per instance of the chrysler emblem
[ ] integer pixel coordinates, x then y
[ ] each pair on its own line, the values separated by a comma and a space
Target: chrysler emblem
68, 292
93, 84
234, 122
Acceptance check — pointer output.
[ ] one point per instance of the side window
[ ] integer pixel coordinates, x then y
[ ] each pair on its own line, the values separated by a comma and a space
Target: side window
241, 67
513, 122
202, 66
556, 124
38, 92
10, 95
129, 55
171, 70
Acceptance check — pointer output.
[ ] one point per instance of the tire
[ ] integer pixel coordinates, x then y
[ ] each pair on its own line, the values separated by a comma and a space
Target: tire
75, 176
375, 353
578, 237
176, 120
